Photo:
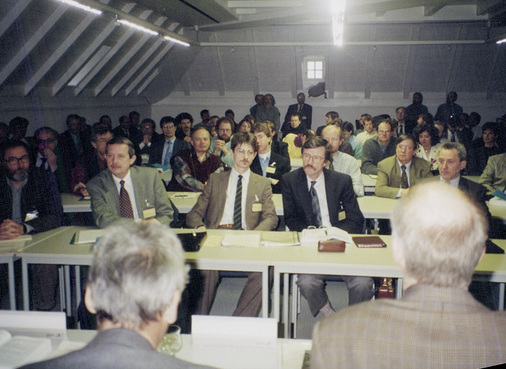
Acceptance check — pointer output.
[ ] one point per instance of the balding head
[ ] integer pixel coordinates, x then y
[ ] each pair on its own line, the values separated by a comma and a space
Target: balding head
438, 235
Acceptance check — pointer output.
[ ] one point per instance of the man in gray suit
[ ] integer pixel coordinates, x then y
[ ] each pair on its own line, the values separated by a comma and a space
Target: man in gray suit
134, 310
438, 238
218, 206
126, 191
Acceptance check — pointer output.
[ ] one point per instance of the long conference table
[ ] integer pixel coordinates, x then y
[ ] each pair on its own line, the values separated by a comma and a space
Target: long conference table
56, 247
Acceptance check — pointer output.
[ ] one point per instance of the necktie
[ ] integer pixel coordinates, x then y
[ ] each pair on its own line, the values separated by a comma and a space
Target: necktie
404, 177
453, 137
237, 205
315, 204
264, 165
300, 107
168, 154
43, 162
331, 165
125, 206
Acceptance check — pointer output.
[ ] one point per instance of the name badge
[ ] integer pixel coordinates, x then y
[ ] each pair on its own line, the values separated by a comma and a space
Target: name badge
31, 215
270, 170
257, 206
149, 213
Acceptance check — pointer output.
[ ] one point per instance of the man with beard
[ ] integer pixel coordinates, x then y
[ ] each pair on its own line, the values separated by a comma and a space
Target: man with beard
220, 145
268, 111
28, 207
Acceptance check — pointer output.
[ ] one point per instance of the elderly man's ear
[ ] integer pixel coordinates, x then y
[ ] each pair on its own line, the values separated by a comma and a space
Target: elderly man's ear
88, 300
170, 314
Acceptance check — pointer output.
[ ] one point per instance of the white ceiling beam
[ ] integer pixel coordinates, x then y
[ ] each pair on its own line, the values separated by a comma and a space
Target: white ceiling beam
119, 44
264, 4
148, 80
126, 77
409, 64
32, 42
221, 83
330, 43
90, 50
433, 9
50, 61
128, 56
13, 14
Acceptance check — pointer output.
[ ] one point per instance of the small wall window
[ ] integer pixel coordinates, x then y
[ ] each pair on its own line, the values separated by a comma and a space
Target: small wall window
315, 69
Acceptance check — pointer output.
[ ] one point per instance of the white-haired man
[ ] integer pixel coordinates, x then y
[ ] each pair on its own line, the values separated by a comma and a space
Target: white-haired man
134, 286
438, 238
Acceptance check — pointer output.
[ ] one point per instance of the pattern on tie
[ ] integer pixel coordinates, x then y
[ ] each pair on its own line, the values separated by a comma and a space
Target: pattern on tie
168, 154
125, 206
404, 177
331, 164
237, 205
315, 205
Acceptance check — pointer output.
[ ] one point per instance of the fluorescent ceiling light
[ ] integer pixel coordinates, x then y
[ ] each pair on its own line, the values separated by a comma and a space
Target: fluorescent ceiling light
137, 27
81, 6
501, 41
176, 41
337, 9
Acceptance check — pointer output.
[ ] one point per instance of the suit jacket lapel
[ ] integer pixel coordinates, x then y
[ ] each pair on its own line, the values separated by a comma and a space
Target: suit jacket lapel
138, 188
222, 194
303, 195
330, 192
112, 191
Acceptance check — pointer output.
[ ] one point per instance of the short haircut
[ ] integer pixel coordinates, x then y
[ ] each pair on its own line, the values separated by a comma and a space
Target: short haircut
122, 141
296, 114
10, 144
148, 120
99, 129
405, 137
182, 116
271, 125
244, 138
229, 111
123, 117
132, 113
427, 118
104, 117
17, 121
400, 107
333, 126
167, 119
387, 121
443, 243
204, 111
476, 116
136, 270
347, 126
46, 129
366, 116
72, 117
196, 129
332, 114
226, 120
315, 142
461, 149
493, 126
419, 94
262, 127
431, 130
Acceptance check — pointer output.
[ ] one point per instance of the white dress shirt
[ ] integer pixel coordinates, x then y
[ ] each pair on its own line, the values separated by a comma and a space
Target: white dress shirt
228, 212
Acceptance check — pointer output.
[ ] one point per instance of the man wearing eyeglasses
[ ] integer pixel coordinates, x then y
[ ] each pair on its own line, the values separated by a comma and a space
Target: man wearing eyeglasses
28, 206
315, 196
378, 148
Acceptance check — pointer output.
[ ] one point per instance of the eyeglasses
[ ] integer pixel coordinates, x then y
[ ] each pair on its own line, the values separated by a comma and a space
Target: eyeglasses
168, 126
13, 160
315, 158
404, 147
385, 131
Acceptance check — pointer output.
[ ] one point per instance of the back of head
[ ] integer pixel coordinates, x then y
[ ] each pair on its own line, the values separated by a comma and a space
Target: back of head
440, 233
136, 270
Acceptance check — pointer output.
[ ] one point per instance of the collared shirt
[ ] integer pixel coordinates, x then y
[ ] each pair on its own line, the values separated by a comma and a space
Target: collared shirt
129, 187
407, 173
347, 164
228, 213
322, 198
40, 159
166, 146
454, 182
264, 162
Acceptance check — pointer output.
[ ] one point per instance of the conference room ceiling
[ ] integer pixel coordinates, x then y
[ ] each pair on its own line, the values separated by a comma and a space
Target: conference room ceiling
249, 45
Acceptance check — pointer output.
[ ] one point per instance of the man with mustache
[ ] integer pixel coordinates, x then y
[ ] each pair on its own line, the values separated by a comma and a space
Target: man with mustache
237, 199
315, 196
28, 207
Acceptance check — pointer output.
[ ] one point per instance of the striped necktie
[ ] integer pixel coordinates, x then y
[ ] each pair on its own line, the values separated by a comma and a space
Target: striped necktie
315, 205
238, 205
125, 206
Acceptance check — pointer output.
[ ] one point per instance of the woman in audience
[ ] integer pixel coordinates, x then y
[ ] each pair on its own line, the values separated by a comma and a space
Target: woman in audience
442, 129
425, 118
428, 144
244, 126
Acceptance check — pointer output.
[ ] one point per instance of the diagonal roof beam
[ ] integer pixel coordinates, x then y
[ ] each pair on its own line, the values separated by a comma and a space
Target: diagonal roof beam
119, 44
32, 42
90, 50
140, 62
81, 27
13, 14
148, 80
127, 57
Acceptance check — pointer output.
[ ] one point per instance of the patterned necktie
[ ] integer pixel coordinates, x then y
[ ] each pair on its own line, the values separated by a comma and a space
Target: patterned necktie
331, 165
168, 154
238, 205
404, 177
125, 206
315, 204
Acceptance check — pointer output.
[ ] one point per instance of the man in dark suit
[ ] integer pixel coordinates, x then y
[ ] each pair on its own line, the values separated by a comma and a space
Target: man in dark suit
437, 323
135, 303
28, 206
74, 143
219, 207
126, 129
162, 151
314, 196
404, 126
305, 110
126, 191
267, 163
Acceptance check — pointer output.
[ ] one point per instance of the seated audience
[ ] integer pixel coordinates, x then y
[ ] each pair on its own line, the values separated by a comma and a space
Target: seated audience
267, 163
369, 131
404, 126
192, 167
244, 126
494, 175
29, 205
330, 117
294, 125
163, 150
442, 130
378, 148
314, 196
127, 191
127, 129
229, 113
341, 162
483, 148
205, 118
277, 146
305, 111
414, 110
224, 204
149, 137
426, 118
135, 283
220, 144
438, 239
17, 128
259, 100
74, 143
184, 123
268, 111
349, 138
212, 125
428, 144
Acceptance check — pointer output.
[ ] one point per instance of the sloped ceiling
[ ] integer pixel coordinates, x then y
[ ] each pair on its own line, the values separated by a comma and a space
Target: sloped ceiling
250, 45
